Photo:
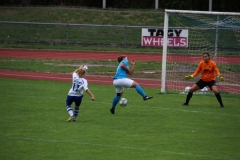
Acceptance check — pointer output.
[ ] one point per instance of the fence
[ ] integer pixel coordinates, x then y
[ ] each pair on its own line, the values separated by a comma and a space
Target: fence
70, 34
202, 39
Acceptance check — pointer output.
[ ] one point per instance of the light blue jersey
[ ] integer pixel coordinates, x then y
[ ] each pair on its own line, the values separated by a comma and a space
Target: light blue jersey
120, 81
121, 73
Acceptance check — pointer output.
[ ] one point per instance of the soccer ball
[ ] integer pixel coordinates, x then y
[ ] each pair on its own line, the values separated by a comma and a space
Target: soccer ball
204, 89
187, 89
123, 102
85, 68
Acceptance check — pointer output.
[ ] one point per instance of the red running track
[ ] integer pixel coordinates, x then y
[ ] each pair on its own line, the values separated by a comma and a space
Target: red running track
41, 54
76, 55
149, 83
68, 78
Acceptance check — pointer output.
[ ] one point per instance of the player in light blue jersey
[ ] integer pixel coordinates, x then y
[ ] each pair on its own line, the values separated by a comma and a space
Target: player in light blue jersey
120, 81
75, 94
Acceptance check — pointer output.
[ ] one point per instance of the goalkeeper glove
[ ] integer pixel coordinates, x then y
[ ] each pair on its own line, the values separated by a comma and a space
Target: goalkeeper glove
220, 78
189, 77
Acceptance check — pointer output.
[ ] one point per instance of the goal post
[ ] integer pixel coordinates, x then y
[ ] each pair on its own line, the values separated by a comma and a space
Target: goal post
164, 55
188, 34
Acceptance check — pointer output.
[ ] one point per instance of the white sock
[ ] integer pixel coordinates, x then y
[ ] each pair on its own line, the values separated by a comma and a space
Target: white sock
70, 111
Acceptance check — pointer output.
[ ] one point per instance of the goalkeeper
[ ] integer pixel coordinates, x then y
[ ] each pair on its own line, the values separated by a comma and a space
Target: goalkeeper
207, 67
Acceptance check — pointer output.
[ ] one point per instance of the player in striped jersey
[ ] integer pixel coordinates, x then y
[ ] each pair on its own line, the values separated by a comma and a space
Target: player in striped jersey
75, 94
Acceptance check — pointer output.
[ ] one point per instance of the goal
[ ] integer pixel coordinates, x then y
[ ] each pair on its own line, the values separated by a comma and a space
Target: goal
191, 33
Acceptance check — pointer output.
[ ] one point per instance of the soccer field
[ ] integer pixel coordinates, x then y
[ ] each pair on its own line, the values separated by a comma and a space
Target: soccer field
33, 125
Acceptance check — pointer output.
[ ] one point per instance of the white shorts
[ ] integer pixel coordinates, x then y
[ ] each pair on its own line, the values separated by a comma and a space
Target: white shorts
120, 84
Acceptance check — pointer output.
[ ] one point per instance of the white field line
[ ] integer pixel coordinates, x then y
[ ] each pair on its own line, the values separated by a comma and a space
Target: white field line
150, 106
109, 104
20, 75
61, 78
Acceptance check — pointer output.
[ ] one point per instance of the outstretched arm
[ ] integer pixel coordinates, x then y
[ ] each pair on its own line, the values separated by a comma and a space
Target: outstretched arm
218, 74
79, 68
90, 94
195, 73
189, 76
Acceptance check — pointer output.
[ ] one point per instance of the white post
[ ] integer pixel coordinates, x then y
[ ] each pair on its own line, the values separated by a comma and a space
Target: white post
216, 41
104, 4
164, 54
156, 4
210, 5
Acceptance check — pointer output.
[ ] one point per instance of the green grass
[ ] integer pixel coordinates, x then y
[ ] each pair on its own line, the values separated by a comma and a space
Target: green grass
67, 66
33, 125
32, 36
83, 16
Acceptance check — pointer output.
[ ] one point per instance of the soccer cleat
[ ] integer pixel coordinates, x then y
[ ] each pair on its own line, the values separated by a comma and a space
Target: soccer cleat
70, 119
184, 104
147, 98
222, 106
112, 110
74, 118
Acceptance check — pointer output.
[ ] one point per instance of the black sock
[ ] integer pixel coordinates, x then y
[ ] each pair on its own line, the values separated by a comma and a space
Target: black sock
189, 96
219, 98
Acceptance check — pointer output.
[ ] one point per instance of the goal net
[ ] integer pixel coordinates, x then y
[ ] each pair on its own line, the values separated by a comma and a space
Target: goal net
191, 33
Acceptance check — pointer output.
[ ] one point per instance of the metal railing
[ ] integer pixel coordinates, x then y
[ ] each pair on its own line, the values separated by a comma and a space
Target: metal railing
70, 34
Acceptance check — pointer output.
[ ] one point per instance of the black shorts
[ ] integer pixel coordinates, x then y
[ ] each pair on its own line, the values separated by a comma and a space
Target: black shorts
201, 84
76, 99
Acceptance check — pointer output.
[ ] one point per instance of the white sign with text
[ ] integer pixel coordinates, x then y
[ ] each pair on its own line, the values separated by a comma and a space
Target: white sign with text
154, 37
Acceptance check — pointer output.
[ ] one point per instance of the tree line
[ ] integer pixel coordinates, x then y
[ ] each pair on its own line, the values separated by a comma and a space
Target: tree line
202, 5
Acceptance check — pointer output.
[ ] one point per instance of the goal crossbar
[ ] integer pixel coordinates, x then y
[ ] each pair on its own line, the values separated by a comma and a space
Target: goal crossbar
202, 12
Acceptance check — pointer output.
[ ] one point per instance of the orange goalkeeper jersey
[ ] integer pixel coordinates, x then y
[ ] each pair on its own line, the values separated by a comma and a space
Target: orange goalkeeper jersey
207, 70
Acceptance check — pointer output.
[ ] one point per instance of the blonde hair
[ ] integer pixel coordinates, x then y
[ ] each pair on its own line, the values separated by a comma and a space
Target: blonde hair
80, 71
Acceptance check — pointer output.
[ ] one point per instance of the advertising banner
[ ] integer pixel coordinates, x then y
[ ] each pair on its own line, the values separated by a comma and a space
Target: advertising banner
154, 37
